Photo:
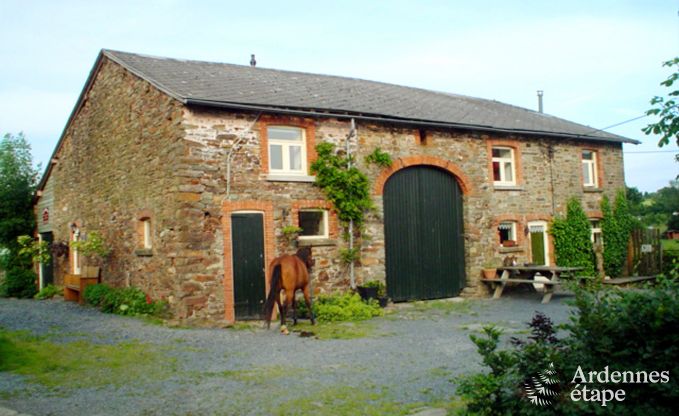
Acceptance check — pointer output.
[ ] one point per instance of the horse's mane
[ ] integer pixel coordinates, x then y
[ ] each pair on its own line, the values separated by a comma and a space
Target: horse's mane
304, 254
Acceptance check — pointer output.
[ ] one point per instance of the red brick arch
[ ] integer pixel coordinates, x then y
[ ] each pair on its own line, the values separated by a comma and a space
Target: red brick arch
405, 162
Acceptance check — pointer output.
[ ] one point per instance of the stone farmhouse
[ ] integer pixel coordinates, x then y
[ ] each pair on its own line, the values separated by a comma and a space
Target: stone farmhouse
191, 170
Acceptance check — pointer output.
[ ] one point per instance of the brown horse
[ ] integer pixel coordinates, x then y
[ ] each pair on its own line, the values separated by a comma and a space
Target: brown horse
289, 273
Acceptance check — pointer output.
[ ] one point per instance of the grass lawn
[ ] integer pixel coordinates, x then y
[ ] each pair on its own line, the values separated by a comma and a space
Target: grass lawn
670, 245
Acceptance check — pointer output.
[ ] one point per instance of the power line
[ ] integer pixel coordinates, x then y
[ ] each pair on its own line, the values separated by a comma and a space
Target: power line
617, 124
654, 151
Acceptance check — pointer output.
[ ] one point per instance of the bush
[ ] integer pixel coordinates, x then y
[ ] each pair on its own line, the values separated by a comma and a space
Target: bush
95, 294
336, 308
572, 239
123, 301
48, 292
622, 330
19, 282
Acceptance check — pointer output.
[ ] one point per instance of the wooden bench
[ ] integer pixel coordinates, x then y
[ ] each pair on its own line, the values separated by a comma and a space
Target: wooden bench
499, 286
628, 280
75, 284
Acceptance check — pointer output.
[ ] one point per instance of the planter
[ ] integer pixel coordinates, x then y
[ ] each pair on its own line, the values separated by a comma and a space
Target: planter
367, 293
383, 301
489, 273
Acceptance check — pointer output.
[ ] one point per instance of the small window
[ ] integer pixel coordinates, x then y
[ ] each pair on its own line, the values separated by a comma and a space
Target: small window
589, 168
75, 236
507, 233
596, 231
314, 223
146, 223
287, 150
503, 166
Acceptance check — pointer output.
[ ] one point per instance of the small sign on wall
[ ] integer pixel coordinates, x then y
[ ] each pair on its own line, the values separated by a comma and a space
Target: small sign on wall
45, 215
646, 248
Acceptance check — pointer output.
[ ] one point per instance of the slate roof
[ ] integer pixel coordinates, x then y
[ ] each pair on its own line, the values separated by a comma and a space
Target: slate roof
245, 87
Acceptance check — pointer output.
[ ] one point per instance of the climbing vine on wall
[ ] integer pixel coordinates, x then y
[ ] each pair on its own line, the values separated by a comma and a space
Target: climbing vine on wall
572, 239
616, 225
346, 187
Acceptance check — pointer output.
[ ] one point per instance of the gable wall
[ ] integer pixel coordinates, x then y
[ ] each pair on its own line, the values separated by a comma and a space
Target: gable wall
116, 164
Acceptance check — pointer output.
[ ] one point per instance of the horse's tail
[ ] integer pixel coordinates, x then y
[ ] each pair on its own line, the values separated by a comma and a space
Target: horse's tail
274, 291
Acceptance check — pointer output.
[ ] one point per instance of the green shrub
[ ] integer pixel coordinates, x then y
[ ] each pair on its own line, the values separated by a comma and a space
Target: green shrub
572, 239
95, 294
337, 308
19, 282
123, 301
48, 292
622, 330
616, 226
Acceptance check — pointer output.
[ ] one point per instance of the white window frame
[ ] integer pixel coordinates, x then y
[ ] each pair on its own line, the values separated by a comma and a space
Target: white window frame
512, 232
325, 225
76, 255
596, 230
146, 224
590, 165
286, 144
502, 161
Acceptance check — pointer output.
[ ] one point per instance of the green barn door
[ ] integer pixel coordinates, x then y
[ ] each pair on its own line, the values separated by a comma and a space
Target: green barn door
423, 234
247, 242
537, 246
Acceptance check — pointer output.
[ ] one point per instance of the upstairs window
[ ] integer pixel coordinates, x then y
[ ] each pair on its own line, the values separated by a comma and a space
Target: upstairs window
589, 168
504, 171
287, 150
314, 223
507, 233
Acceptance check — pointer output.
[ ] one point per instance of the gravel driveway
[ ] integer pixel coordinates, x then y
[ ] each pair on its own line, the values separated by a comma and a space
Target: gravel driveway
410, 358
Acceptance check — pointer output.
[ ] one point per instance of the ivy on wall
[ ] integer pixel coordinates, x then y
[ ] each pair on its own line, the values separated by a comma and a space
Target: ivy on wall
346, 187
572, 239
616, 225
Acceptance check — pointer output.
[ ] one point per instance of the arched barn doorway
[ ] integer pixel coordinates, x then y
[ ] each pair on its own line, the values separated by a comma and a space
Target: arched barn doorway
423, 231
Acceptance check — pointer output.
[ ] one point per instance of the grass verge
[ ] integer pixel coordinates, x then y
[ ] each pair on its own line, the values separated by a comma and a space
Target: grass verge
81, 364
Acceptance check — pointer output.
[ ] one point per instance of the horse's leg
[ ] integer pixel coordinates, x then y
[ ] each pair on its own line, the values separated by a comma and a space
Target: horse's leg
281, 312
294, 310
289, 298
307, 299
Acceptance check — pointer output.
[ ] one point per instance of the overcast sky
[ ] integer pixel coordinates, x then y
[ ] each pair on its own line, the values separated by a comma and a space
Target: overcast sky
599, 62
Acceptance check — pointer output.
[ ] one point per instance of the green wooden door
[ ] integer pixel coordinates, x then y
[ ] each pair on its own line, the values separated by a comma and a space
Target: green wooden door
247, 242
537, 247
47, 269
423, 230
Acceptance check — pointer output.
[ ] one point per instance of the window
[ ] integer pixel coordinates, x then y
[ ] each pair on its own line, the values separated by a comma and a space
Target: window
75, 236
146, 223
596, 231
287, 150
589, 168
314, 223
503, 166
507, 232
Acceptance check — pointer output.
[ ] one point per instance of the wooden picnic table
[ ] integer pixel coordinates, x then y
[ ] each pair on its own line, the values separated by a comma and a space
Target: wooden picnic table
526, 275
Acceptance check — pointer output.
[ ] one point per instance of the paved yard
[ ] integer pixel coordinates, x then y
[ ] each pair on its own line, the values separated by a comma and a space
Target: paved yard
115, 365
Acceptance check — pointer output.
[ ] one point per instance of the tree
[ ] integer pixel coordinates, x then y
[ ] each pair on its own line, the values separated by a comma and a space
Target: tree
673, 223
18, 178
667, 108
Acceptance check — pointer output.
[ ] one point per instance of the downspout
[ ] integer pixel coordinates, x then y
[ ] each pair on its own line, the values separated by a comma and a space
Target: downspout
352, 276
230, 154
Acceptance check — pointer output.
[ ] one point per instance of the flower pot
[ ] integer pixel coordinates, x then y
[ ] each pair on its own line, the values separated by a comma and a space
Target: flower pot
383, 300
367, 293
489, 273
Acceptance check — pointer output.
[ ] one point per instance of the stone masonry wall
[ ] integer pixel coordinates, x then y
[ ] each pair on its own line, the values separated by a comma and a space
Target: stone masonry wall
541, 192
115, 166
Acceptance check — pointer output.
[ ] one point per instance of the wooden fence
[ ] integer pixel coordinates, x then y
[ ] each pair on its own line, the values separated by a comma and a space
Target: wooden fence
644, 253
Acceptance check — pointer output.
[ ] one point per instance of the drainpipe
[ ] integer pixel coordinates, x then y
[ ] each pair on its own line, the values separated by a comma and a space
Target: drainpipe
352, 276
232, 151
